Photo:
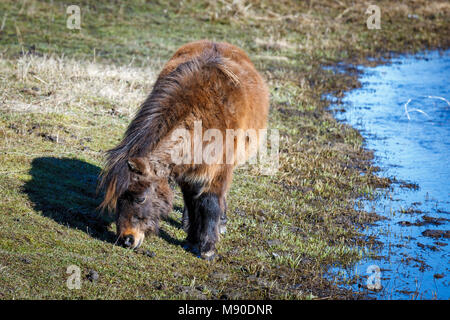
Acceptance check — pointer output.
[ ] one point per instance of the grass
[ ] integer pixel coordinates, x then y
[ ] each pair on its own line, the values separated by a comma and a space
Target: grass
66, 96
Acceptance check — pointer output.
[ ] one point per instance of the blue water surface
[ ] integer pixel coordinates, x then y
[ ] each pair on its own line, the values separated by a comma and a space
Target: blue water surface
403, 112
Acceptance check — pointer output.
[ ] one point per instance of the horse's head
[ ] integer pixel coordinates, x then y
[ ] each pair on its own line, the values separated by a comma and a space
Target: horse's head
139, 207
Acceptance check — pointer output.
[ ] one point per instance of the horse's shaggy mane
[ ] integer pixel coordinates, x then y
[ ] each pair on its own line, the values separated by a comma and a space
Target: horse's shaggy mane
170, 101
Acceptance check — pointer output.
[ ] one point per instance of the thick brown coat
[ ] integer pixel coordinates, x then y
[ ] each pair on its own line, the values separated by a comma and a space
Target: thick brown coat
215, 83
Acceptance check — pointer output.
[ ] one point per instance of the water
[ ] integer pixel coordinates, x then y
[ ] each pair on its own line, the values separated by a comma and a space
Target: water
401, 114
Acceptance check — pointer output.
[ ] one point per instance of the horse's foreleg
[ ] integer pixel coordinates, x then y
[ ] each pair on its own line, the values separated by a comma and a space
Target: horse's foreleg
208, 208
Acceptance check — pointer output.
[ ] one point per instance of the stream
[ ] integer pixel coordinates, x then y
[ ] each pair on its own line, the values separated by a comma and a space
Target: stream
403, 112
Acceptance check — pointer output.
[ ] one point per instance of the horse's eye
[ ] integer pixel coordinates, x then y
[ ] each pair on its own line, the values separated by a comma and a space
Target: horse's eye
139, 200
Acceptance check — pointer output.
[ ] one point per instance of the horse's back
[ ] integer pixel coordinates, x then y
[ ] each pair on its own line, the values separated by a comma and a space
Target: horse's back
194, 49
246, 105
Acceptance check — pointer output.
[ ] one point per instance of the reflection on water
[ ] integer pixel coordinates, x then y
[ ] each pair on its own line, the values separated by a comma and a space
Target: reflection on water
403, 112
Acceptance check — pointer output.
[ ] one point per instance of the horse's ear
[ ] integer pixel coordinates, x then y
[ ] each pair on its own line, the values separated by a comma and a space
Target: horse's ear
138, 165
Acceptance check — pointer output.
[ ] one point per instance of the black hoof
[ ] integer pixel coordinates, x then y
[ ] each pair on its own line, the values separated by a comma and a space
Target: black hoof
192, 248
222, 229
208, 256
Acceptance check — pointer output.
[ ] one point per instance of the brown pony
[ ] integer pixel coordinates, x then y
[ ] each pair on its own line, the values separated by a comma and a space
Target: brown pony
215, 83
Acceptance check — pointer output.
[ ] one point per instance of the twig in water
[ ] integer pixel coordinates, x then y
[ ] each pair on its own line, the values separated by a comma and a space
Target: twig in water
440, 98
419, 110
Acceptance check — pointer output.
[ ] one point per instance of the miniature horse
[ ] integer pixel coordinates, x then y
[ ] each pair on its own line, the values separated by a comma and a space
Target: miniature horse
215, 83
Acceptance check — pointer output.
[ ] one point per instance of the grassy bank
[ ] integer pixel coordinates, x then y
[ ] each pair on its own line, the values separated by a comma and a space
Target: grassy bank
66, 96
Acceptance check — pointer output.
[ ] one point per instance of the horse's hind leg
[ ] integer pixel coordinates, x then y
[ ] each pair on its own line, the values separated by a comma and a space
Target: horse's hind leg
185, 218
223, 216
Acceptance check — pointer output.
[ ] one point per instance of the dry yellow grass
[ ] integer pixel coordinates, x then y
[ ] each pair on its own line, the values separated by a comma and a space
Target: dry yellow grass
52, 84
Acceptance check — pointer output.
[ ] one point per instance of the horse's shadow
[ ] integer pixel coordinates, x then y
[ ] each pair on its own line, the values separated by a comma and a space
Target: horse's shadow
64, 190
